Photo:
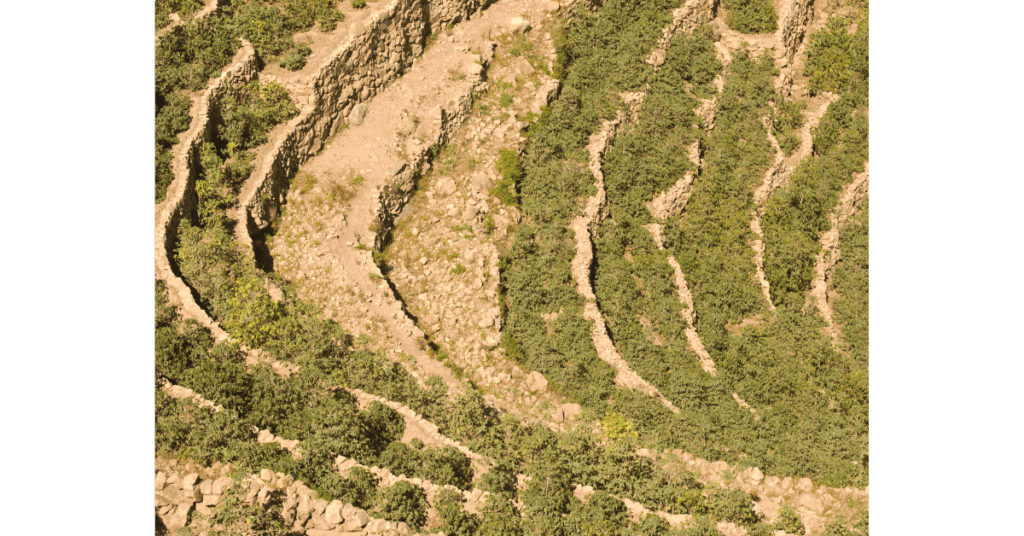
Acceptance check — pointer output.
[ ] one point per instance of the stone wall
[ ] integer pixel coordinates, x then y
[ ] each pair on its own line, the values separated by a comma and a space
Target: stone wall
794, 25
380, 50
179, 491
180, 202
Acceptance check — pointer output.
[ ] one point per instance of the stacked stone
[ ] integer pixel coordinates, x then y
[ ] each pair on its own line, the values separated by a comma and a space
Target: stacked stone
178, 494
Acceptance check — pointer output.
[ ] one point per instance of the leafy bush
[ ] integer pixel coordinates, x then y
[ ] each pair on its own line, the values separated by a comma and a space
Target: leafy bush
295, 58
184, 8
358, 4
404, 502
836, 59
751, 16
454, 520
789, 117
511, 169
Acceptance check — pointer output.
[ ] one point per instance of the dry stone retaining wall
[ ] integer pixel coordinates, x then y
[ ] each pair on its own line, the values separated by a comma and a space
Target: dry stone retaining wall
178, 492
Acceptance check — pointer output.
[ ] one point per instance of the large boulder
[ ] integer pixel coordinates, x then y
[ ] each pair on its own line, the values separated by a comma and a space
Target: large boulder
333, 513
445, 186
358, 114
537, 382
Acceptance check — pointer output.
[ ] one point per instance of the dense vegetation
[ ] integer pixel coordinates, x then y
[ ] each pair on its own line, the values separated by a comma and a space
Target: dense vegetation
189, 54
811, 400
850, 281
751, 16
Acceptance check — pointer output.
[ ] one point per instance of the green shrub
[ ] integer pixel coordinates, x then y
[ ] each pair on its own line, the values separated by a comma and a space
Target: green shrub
358, 4
829, 57
184, 9
295, 58
454, 520
789, 521
850, 281
789, 117
751, 16
602, 514
511, 169
404, 502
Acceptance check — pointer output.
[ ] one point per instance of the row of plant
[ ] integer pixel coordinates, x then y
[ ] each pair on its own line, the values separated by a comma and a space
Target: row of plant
236, 293
189, 54
633, 280
751, 16
850, 281
797, 214
811, 400
602, 54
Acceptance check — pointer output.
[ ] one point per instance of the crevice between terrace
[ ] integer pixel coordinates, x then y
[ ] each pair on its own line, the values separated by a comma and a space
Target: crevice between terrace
850, 202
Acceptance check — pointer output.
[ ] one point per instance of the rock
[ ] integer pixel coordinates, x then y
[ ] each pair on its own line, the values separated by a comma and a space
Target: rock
397, 168
445, 186
519, 25
355, 520
264, 436
356, 28
657, 57
811, 503
755, 475
571, 410
358, 114
481, 182
319, 505
524, 67
485, 323
549, 7
402, 529
319, 522
537, 382
189, 480
206, 487
558, 415
490, 344
220, 485
772, 482
805, 484
161, 480
332, 514
171, 495
375, 526
786, 483
267, 475
305, 506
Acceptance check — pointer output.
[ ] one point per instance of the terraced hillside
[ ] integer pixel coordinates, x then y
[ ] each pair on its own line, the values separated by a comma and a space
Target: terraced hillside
511, 267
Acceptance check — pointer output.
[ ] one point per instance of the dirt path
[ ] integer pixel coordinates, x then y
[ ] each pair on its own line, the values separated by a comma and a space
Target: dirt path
850, 202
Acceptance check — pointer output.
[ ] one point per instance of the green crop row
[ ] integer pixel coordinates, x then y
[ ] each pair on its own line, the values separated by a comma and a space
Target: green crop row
751, 16
850, 281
